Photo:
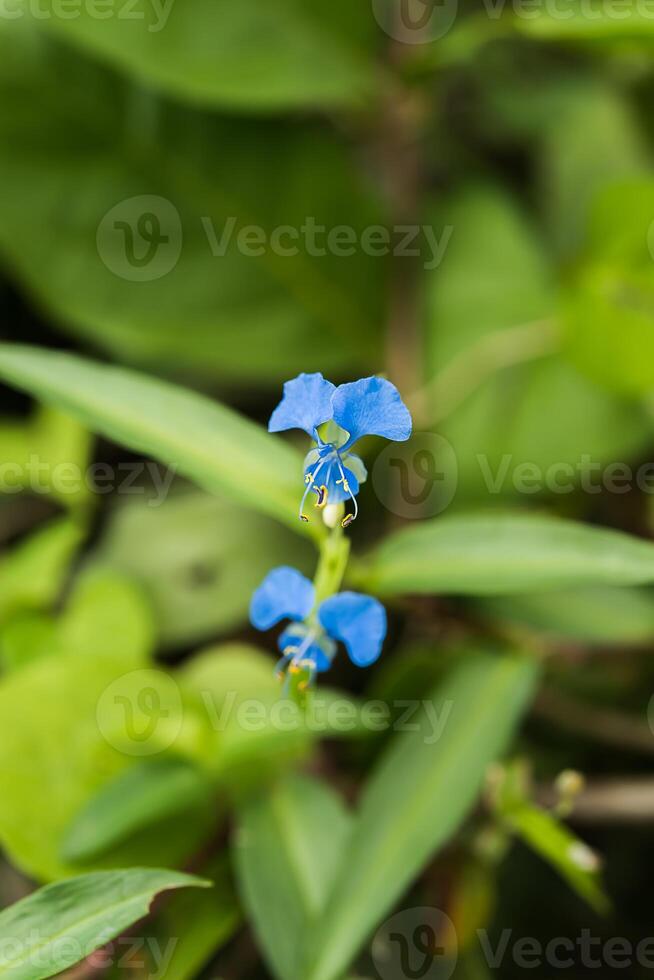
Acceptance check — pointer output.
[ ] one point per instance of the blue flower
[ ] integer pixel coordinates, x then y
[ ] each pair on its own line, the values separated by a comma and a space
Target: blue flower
336, 418
309, 643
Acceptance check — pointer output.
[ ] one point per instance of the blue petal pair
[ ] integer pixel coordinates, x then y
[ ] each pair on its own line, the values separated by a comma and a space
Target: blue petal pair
309, 643
336, 418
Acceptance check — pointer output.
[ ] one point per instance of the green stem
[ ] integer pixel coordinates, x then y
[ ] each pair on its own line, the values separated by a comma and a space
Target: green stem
334, 555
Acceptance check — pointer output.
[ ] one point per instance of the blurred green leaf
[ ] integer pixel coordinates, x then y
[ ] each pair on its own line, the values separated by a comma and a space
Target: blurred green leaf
545, 834
609, 313
25, 637
211, 444
504, 554
197, 923
198, 558
141, 796
48, 454
420, 793
256, 730
570, 856
107, 612
590, 141
586, 21
287, 54
88, 911
33, 573
81, 721
289, 847
209, 302
602, 615
490, 301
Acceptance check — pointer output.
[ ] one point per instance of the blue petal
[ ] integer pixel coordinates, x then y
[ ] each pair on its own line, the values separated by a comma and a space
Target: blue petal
371, 407
314, 652
358, 621
306, 404
329, 475
284, 594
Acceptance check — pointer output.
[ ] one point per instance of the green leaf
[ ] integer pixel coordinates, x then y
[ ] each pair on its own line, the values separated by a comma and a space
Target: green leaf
417, 798
203, 194
207, 442
289, 847
32, 575
197, 923
198, 558
60, 925
503, 554
48, 454
601, 615
587, 22
561, 848
255, 731
26, 637
81, 721
286, 54
141, 796
107, 612
545, 834
591, 140
609, 319
500, 393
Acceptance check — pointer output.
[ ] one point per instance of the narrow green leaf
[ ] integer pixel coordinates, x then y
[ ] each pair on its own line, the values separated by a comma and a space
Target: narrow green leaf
288, 849
63, 923
150, 791
601, 615
498, 554
573, 859
421, 792
207, 442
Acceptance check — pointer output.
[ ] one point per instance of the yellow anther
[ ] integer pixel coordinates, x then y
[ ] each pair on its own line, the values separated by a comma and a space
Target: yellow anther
322, 493
347, 520
303, 517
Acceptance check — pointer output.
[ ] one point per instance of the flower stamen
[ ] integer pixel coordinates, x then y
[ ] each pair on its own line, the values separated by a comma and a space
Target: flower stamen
309, 478
349, 518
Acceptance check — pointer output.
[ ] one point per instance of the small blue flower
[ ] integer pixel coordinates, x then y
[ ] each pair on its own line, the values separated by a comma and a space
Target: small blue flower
309, 643
336, 418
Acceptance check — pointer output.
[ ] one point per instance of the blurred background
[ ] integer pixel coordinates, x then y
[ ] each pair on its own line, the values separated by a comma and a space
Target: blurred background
457, 195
